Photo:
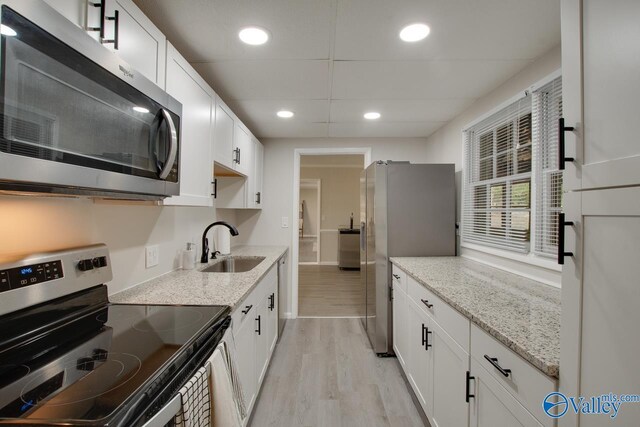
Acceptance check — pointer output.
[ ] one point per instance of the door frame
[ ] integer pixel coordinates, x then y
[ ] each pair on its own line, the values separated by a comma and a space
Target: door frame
317, 183
297, 153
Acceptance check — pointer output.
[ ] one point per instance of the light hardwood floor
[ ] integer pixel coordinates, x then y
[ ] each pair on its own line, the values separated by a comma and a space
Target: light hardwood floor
325, 290
324, 373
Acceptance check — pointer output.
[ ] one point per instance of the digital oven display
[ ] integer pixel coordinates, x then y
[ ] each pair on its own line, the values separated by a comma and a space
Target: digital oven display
28, 275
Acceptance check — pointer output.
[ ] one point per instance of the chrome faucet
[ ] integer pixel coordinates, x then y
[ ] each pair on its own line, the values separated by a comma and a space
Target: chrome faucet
205, 242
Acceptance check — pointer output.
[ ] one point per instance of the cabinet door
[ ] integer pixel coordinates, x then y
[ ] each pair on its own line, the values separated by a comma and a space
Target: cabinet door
140, 43
223, 135
256, 177
599, 44
271, 325
74, 10
243, 150
262, 354
450, 366
400, 329
492, 405
610, 299
197, 99
420, 356
245, 338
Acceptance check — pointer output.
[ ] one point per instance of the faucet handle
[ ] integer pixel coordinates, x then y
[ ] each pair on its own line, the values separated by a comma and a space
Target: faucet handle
214, 254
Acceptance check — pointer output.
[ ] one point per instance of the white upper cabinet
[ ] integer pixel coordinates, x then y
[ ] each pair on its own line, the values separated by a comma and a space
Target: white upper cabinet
254, 180
74, 10
139, 42
242, 150
600, 64
196, 143
223, 135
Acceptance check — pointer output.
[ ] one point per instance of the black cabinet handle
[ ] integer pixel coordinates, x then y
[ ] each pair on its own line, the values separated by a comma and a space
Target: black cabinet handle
561, 130
467, 394
424, 335
116, 30
397, 276
258, 197
426, 344
561, 225
426, 302
215, 188
494, 362
247, 309
236, 155
272, 303
100, 26
259, 330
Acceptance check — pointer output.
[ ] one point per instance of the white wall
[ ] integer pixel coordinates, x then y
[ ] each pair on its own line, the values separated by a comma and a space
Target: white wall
32, 224
264, 227
445, 146
309, 197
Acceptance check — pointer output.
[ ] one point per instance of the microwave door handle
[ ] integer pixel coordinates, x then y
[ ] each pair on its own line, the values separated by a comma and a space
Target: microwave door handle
173, 149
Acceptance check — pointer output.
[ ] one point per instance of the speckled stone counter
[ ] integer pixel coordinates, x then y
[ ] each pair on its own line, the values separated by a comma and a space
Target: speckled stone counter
521, 313
192, 287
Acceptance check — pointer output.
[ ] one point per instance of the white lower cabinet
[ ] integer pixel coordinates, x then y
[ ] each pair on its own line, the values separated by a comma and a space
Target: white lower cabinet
255, 330
492, 405
442, 356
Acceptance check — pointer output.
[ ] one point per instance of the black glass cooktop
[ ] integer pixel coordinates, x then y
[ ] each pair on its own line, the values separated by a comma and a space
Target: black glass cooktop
87, 368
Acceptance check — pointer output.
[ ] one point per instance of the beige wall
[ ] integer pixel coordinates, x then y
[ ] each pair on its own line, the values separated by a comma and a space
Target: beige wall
264, 227
309, 196
31, 224
445, 146
340, 197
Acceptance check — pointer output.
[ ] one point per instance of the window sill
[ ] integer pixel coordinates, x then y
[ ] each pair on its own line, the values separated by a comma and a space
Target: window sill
531, 259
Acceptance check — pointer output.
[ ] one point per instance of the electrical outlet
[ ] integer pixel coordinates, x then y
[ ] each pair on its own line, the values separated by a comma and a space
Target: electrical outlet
285, 222
152, 256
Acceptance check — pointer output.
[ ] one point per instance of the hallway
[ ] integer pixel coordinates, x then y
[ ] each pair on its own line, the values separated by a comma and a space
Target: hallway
324, 374
327, 291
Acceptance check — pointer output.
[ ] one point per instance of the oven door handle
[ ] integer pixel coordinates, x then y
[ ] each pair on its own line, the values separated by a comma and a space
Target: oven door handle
167, 413
173, 148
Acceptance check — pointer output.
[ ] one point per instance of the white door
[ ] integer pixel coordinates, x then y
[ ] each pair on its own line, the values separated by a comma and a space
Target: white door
140, 43
450, 366
74, 10
245, 338
223, 135
492, 405
243, 150
271, 325
610, 228
258, 160
420, 355
197, 99
600, 49
262, 355
400, 327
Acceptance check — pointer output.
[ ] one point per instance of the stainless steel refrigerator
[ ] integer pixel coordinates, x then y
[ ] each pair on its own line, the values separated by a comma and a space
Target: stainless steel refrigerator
405, 210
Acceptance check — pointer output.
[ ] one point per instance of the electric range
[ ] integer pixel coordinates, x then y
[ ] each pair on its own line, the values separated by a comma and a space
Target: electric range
69, 357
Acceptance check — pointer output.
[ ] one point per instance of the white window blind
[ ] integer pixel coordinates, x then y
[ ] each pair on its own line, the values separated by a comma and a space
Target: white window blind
497, 179
547, 109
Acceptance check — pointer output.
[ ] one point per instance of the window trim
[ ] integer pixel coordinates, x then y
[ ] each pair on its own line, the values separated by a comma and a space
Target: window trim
530, 257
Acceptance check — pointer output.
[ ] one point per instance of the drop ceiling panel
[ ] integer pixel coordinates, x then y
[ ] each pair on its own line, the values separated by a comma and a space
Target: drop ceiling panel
265, 110
399, 110
207, 30
295, 129
267, 79
460, 29
383, 129
420, 79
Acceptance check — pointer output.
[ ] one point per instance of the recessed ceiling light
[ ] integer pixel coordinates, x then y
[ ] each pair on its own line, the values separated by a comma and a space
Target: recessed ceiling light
7, 31
254, 35
285, 114
414, 32
372, 115
140, 109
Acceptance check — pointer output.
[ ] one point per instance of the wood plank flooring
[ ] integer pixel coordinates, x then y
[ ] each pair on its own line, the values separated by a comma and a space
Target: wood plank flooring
324, 373
325, 290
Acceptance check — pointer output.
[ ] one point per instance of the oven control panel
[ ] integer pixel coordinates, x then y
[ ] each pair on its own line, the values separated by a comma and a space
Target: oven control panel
27, 275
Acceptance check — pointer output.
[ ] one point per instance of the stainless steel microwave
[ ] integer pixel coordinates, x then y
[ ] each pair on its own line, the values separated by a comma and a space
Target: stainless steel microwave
74, 118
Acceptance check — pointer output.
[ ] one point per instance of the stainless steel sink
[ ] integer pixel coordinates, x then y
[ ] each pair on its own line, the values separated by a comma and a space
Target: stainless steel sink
234, 264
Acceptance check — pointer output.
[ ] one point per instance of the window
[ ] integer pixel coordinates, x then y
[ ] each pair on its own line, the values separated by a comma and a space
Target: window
511, 164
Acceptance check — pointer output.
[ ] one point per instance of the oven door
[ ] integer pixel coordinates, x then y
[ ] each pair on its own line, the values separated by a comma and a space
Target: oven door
68, 121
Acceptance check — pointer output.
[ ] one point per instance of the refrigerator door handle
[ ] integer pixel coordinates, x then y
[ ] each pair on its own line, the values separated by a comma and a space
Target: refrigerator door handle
362, 236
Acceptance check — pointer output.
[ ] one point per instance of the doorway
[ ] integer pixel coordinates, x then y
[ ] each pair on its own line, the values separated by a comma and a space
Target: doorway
309, 221
328, 248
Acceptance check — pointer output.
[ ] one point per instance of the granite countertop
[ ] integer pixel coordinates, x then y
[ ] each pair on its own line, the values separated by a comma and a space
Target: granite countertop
521, 313
192, 287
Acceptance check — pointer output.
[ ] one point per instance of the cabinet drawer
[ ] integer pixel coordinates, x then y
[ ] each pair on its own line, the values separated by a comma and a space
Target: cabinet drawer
454, 323
524, 381
399, 278
254, 298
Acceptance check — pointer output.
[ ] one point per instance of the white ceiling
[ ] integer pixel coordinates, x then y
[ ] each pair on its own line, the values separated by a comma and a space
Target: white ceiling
329, 61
